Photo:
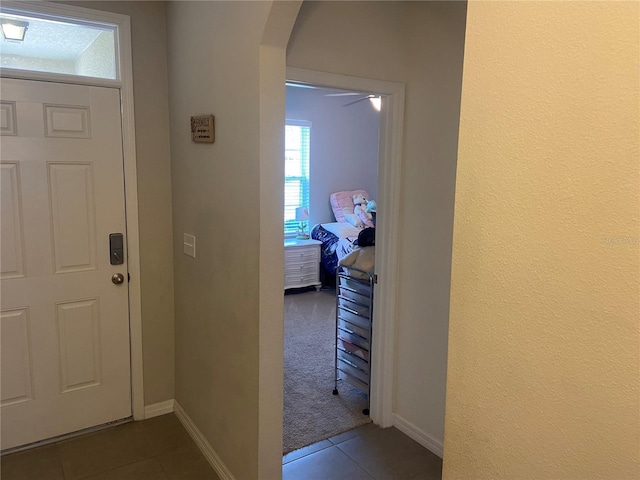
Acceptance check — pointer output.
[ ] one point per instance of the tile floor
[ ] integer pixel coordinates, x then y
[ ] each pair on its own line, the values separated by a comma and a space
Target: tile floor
365, 453
155, 449
161, 449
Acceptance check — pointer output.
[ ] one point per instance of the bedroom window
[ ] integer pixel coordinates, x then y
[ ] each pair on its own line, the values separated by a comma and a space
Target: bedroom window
296, 172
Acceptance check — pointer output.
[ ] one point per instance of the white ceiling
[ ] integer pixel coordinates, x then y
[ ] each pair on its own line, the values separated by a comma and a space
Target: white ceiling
51, 40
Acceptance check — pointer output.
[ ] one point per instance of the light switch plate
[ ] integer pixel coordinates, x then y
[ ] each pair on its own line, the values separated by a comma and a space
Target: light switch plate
189, 245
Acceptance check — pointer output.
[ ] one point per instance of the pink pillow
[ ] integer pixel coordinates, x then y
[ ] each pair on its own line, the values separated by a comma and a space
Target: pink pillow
341, 201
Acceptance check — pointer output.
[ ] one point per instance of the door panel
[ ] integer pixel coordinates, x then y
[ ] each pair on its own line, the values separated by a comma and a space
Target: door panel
11, 223
71, 190
79, 344
64, 324
16, 348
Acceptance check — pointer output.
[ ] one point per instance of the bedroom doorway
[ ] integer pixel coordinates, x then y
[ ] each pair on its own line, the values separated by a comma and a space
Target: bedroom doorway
382, 176
331, 145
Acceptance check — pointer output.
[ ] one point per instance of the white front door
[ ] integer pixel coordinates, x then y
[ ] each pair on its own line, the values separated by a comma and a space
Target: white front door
64, 323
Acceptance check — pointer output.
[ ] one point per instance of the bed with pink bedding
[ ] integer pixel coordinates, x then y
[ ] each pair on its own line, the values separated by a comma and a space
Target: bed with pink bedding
338, 237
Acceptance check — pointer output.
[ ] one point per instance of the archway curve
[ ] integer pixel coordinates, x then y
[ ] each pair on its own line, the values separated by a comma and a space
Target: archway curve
273, 75
272, 70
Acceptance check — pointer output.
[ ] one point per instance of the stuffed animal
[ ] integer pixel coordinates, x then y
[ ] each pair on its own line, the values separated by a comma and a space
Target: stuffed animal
371, 206
360, 209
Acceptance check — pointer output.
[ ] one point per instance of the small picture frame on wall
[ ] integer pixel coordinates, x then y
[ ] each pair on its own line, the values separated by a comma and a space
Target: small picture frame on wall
202, 129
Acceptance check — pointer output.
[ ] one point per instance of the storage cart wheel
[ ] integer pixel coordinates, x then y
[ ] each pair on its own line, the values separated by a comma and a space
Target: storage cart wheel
365, 411
335, 391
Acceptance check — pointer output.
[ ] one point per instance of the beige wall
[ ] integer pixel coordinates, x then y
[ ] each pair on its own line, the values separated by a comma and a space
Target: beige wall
543, 353
421, 45
215, 68
365, 39
282, 16
435, 46
149, 45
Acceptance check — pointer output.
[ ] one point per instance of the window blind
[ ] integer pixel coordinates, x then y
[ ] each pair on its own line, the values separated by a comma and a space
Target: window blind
296, 172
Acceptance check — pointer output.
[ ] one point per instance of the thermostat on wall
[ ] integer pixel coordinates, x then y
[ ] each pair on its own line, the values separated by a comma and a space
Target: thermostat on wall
202, 130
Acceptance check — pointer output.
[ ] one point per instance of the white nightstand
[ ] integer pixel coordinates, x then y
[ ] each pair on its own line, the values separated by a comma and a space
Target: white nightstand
302, 263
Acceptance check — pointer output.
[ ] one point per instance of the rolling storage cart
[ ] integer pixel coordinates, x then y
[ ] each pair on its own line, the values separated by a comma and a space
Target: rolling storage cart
354, 310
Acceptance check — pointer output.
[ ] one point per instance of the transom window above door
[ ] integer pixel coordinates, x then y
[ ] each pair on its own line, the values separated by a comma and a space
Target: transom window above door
60, 46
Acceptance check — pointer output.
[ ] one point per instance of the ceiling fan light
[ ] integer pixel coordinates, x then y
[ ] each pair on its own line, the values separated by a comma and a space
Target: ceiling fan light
14, 29
376, 102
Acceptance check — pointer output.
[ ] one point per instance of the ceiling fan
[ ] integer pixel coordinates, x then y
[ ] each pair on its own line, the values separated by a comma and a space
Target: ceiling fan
375, 99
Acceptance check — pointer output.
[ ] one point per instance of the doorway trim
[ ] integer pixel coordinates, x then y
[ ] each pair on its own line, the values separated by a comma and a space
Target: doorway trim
125, 85
389, 167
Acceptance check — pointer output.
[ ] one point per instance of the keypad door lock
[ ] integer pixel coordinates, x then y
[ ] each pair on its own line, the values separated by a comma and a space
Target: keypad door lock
116, 249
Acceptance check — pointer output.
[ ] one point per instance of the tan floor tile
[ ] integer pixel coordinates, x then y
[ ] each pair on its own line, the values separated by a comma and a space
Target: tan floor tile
103, 451
388, 454
433, 474
327, 464
304, 451
349, 434
187, 463
164, 433
149, 469
38, 463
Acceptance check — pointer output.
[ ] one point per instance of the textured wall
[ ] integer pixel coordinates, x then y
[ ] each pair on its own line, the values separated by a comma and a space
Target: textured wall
38, 64
214, 67
543, 346
419, 44
98, 59
436, 46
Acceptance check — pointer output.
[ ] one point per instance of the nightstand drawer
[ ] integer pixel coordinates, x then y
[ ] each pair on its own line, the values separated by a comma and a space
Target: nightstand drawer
296, 279
301, 268
298, 254
301, 263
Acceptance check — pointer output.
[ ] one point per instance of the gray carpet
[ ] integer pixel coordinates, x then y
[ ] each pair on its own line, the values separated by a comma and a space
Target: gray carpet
311, 412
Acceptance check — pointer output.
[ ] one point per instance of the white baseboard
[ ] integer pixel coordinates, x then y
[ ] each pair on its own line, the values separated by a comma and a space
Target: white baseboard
205, 447
157, 409
420, 436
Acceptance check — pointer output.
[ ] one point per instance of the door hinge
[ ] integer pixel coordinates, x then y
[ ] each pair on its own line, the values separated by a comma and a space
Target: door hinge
128, 277
375, 278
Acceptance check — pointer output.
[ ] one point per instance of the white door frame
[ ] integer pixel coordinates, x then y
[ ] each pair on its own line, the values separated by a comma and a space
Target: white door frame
124, 68
389, 167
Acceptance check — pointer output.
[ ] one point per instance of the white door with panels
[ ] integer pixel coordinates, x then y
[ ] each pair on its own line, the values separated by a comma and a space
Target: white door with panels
65, 358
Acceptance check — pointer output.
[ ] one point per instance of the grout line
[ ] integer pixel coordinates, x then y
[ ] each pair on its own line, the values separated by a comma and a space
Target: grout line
64, 475
65, 437
331, 444
361, 467
143, 458
357, 463
114, 468
166, 474
310, 453
360, 433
